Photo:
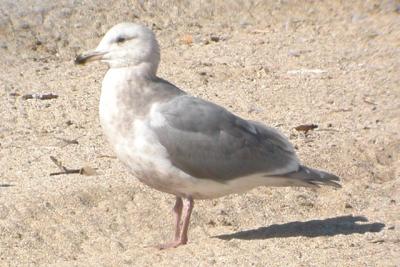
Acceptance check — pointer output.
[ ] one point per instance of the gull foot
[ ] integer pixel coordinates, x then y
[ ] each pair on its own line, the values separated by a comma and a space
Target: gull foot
172, 244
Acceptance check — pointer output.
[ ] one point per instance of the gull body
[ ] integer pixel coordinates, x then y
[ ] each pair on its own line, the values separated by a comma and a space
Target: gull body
180, 144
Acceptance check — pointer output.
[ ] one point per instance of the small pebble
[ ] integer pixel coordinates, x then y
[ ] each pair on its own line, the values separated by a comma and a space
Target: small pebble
294, 53
215, 39
348, 206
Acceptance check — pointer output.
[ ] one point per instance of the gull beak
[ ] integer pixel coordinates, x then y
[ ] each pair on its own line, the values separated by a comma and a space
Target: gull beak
89, 56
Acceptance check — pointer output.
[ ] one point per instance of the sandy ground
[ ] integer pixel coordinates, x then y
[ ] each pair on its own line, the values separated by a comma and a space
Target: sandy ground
249, 56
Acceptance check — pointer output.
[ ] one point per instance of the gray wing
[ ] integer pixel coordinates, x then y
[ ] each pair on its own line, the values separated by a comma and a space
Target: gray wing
207, 141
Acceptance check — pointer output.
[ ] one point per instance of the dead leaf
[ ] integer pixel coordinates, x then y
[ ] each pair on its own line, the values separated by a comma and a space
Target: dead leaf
187, 39
88, 171
306, 127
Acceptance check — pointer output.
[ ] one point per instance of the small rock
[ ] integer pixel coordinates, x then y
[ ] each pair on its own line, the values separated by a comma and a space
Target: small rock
244, 23
294, 53
215, 39
49, 206
254, 109
348, 206
24, 25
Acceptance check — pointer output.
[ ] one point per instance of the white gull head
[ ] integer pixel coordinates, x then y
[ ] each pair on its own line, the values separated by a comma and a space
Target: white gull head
126, 45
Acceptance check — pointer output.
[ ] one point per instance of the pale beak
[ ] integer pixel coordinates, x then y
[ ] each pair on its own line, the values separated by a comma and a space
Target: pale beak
89, 56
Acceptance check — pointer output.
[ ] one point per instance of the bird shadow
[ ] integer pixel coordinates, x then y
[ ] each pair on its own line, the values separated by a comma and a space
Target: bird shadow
342, 225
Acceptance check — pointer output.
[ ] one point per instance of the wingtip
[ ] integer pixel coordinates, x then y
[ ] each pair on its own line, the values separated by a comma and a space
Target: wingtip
316, 177
333, 184
330, 179
319, 183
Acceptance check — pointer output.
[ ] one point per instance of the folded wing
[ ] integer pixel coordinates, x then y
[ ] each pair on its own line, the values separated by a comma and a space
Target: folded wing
207, 141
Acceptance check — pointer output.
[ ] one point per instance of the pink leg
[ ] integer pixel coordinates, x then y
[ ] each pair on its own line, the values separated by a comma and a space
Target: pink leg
189, 203
178, 213
181, 236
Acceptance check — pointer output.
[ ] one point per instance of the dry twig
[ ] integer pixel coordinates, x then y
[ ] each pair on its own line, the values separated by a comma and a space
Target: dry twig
6, 185
106, 156
64, 170
39, 96
68, 141
368, 102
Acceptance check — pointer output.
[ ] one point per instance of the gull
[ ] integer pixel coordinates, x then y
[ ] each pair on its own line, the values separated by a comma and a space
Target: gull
181, 144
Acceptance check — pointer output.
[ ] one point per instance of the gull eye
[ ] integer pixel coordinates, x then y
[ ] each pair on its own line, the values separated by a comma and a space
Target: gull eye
121, 39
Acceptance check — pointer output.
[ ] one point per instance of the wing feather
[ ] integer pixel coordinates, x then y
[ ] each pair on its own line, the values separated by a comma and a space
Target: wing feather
207, 141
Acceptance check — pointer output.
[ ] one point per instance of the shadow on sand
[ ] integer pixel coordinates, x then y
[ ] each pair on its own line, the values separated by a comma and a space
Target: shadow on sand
343, 225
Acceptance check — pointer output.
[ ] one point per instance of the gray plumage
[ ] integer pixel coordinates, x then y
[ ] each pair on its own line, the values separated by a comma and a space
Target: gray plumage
207, 141
181, 144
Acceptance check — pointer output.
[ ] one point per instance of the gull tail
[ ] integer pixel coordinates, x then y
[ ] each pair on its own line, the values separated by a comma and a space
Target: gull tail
314, 178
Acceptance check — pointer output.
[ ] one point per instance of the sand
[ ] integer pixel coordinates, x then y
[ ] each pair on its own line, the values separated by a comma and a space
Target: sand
335, 64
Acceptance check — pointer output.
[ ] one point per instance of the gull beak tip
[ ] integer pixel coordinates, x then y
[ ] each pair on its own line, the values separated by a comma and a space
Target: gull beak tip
80, 60
89, 57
